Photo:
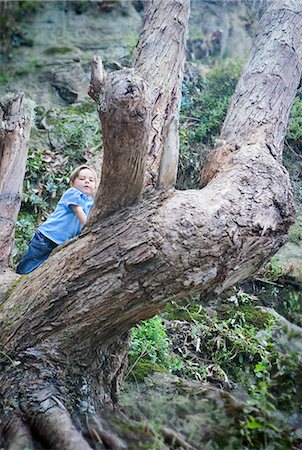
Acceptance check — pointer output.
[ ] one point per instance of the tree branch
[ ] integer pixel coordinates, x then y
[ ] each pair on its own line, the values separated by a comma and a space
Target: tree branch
160, 58
97, 79
123, 100
164, 248
267, 87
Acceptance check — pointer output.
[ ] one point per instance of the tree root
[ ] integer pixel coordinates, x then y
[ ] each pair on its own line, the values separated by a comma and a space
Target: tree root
53, 424
16, 434
108, 439
174, 440
96, 428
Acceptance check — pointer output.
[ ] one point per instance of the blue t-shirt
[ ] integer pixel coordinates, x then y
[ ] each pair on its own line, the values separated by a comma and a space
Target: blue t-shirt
63, 224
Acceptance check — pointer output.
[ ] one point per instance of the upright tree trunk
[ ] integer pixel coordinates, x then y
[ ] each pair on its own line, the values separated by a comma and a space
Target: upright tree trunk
165, 29
15, 124
62, 331
139, 109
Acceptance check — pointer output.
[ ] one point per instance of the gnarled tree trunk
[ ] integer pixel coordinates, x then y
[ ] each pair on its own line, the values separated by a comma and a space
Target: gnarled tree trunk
63, 331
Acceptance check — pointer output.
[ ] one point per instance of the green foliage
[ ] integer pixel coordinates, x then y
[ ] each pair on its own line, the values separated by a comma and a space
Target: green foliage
149, 340
228, 338
206, 102
295, 235
292, 307
203, 109
150, 349
272, 271
293, 152
239, 342
232, 343
5, 77
294, 131
262, 424
295, 231
25, 227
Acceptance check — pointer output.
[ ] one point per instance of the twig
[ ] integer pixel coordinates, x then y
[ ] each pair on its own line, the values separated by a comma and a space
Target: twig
262, 280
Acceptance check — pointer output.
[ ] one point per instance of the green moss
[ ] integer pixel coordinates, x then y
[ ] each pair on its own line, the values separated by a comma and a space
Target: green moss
174, 311
58, 50
27, 68
14, 286
5, 77
144, 367
253, 316
294, 132
86, 106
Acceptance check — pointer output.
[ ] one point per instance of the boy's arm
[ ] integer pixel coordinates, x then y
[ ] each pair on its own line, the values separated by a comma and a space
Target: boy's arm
78, 210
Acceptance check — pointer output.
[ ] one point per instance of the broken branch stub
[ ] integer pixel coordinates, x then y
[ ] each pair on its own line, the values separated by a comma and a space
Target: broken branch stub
124, 104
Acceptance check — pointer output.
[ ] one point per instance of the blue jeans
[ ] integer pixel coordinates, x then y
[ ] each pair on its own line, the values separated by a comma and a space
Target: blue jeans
38, 251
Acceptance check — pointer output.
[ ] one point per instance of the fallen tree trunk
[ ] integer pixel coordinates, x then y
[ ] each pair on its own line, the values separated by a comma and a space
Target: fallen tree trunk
63, 331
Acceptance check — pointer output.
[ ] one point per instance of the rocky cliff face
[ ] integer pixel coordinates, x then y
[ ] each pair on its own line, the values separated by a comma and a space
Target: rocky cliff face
52, 61
222, 28
53, 46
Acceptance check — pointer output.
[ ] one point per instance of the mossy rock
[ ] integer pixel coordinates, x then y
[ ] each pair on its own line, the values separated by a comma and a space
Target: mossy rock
189, 312
143, 367
253, 316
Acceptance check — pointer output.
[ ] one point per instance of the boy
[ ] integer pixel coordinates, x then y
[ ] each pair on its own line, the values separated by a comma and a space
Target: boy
65, 222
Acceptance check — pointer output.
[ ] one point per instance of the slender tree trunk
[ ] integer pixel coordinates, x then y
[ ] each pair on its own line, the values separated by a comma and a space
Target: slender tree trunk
165, 29
15, 124
63, 330
139, 109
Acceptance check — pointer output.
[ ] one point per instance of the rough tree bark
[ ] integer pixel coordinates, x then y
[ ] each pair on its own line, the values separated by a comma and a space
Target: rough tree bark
15, 124
164, 29
63, 331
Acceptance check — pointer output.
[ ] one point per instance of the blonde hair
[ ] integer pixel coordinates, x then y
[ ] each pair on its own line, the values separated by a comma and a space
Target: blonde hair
75, 173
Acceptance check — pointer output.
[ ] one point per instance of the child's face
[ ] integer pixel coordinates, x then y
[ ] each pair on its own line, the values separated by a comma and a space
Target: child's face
85, 182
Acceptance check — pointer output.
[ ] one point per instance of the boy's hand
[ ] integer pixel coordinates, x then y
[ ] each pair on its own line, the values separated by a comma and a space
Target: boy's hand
78, 210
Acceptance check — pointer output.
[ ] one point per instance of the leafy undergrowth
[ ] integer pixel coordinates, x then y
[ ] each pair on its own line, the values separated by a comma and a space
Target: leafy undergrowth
205, 100
204, 106
221, 376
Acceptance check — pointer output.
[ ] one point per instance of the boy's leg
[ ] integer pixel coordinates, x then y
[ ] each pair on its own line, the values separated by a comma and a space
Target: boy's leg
38, 251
